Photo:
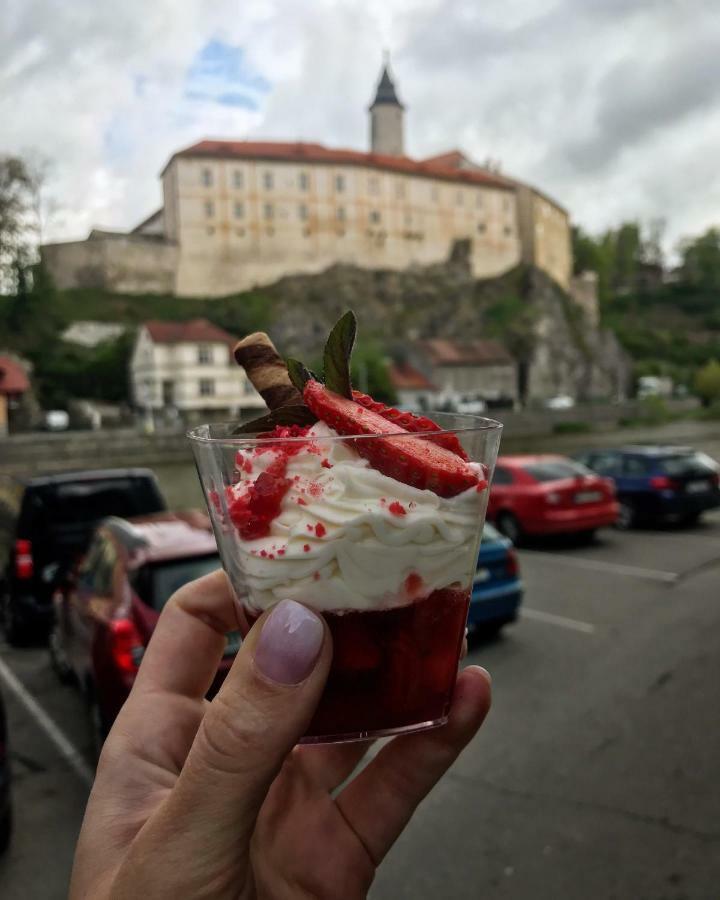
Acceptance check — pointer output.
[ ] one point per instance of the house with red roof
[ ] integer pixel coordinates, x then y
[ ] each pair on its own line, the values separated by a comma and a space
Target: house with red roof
236, 214
464, 371
187, 369
14, 383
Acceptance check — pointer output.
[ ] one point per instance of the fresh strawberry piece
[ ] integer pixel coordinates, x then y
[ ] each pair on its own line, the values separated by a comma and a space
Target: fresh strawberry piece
411, 422
419, 463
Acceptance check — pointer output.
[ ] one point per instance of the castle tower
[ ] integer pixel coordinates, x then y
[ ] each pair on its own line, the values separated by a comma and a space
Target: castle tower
386, 118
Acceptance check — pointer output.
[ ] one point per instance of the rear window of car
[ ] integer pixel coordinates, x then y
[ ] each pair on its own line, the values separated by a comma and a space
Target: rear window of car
556, 470
686, 465
155, 583
88, 501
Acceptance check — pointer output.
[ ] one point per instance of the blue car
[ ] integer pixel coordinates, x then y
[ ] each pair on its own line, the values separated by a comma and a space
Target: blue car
658, 483
497, 588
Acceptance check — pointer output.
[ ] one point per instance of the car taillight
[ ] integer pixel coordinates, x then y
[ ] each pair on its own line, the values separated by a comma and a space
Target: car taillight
663, 483
126, 648
715, 479
23, 560
511, 564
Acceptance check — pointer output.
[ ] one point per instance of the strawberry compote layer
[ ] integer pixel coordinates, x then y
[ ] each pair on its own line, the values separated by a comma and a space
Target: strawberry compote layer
391, 669
389, 566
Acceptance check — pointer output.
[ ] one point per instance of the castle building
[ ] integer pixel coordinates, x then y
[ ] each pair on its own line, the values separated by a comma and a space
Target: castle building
237, 214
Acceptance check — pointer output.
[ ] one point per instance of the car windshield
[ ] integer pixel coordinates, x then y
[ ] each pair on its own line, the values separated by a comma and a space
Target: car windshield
688, 464
156, 582
556, 470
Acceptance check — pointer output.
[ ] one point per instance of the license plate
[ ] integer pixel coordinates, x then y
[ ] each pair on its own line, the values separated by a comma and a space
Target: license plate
697, 487
588, 496
481, 576
232, 643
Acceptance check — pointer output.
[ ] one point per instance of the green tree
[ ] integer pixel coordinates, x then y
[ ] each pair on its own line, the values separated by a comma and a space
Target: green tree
16, 201
707, 382
701, 260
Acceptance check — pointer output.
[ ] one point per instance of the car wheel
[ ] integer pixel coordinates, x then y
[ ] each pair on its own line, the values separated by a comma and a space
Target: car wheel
627, 515
15, 634
5, 830
58, 657
98, 725
508, 525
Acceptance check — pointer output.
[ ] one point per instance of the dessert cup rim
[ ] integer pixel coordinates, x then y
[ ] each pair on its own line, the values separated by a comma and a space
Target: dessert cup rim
474, 424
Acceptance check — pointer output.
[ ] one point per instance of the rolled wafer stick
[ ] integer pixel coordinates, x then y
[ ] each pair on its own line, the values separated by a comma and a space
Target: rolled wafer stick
266, 370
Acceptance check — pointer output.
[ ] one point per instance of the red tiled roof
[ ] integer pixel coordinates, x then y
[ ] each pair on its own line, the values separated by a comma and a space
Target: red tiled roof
198, 331
300, 152
453, 159
405, 377
13, 378
444, 352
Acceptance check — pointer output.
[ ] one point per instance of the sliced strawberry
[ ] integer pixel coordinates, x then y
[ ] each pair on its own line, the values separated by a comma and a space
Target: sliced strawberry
411, 422
419, 463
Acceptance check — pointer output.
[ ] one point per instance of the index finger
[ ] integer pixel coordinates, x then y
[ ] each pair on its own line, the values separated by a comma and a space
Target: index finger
189, 639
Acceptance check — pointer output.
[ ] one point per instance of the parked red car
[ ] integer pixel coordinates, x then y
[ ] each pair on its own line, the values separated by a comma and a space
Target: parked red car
106, 612
535, 495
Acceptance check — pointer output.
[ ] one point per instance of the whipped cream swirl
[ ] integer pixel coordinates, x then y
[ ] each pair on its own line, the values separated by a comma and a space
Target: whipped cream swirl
350, 538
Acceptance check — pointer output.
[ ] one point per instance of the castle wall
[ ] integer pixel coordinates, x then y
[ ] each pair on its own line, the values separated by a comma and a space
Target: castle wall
244, 222
123, 264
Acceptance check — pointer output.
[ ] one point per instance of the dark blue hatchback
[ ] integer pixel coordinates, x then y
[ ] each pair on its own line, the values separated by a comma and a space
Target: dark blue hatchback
658, 484
497, 588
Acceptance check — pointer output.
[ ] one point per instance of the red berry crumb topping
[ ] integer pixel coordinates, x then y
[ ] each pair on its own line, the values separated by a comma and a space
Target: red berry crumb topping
326, 464
320, 530
397, 509
306, 548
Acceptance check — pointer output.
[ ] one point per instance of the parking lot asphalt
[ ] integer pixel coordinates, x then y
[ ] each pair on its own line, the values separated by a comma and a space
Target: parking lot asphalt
595, 777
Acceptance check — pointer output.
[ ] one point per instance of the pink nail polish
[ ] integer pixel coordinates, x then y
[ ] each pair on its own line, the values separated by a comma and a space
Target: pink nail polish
289, 643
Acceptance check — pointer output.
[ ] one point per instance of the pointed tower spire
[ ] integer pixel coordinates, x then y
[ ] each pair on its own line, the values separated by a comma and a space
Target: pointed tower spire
386, 115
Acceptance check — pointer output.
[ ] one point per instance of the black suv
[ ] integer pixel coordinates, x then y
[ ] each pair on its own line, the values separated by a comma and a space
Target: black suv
45, 525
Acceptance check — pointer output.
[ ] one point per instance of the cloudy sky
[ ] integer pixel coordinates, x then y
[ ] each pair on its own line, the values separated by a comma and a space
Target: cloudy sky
612, 106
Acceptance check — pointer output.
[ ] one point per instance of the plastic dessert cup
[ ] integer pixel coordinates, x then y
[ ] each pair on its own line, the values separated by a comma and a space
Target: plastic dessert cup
389, 566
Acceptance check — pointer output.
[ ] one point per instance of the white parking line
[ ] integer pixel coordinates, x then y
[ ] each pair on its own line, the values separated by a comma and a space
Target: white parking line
67, 750
560, 621
599, 565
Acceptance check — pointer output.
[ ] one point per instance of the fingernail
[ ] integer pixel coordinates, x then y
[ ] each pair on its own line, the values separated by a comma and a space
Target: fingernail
289, 643
486, 673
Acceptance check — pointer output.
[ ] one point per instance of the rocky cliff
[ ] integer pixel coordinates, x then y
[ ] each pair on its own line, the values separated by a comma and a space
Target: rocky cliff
557, 348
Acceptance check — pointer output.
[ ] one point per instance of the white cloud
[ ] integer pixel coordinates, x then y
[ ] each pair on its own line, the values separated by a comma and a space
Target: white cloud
613, 107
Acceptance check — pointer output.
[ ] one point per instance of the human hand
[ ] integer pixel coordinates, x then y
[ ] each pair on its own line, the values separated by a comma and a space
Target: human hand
196, 799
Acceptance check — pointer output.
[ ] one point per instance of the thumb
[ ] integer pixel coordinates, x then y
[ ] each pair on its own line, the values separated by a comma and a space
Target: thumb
260, 712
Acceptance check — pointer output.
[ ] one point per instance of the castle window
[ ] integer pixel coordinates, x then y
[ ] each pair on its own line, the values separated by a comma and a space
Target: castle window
268, 181
302, 212
374, 216
237, 178
209, 209
482, 228
303, 181
204, 355
210, 229
508, 230
340, 183
340, 213
239, 210
207, 177
207, 387
374, 184
268, 211
408, 219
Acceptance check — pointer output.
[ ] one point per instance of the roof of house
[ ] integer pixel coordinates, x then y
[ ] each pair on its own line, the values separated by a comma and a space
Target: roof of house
13, 378
300, 152
453, 159
386, 91
197, 331
480, 352
405, 377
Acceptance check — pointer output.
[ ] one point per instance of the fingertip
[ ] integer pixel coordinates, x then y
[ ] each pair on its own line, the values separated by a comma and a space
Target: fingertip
472, 699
